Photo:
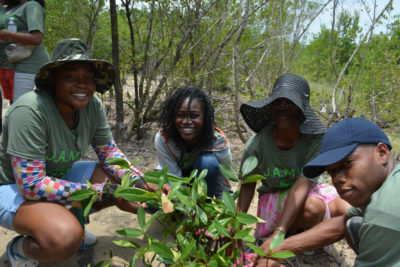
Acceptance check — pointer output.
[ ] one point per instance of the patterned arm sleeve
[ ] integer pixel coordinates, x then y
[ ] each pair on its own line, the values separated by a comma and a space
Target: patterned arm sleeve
35, 185
110, 150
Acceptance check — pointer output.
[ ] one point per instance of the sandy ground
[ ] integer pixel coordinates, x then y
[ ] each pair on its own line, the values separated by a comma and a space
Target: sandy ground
105, 223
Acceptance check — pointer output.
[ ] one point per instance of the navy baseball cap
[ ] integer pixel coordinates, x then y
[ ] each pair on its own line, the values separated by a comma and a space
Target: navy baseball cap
340, 141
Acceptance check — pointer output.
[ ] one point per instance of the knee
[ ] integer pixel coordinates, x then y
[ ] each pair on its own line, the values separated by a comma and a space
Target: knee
63, 240
314, 209
207, 161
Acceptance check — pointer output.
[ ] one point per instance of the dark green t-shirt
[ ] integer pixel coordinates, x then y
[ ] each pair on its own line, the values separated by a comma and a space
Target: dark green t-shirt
4, 63
380, 231
29, 17
280, 167
34, 129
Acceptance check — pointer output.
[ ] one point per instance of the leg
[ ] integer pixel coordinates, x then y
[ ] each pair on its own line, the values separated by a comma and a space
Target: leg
322, 202
312, 214
209, 162
53, 233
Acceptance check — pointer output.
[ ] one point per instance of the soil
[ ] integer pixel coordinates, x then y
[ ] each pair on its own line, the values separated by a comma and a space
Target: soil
105, 223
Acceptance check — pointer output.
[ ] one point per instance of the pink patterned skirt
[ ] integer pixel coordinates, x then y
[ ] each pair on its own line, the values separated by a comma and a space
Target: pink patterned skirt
270, 207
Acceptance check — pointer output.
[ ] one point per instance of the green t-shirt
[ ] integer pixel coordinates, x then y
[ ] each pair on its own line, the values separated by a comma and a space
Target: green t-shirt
380, 231
4, 63
34, 129
280, 167
29, 17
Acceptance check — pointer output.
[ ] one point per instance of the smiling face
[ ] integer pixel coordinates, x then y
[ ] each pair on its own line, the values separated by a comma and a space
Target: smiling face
73, 86
285, 114
189, 122
360, 174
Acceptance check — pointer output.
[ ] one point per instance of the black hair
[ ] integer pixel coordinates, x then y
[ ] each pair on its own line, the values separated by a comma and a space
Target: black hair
171, 107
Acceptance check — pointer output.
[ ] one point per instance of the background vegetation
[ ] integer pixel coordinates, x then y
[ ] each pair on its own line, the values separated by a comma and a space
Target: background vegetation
235, 50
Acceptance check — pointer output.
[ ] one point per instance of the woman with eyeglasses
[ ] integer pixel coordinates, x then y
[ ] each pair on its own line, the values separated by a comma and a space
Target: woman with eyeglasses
288, 135
189, 139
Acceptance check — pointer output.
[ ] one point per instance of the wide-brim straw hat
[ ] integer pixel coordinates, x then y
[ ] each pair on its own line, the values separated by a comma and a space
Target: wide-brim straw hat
257, 114
71, 51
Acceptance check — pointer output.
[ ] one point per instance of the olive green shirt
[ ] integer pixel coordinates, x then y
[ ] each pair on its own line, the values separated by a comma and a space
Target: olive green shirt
34, 129
380, 231
280, 168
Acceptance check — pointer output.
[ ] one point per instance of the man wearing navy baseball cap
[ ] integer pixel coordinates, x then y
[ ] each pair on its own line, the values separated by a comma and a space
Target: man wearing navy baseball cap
356, 154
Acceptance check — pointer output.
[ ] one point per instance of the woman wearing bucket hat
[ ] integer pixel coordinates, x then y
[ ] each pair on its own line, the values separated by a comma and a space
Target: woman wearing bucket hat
45, 133
288, 135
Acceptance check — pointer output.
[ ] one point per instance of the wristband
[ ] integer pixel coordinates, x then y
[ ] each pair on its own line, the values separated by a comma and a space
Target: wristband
280, 229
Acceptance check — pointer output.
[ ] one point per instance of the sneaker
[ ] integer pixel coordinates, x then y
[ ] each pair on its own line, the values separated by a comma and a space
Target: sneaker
17, 260
89, 240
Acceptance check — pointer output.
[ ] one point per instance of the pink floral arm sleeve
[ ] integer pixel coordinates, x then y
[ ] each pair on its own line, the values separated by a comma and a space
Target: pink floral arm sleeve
35, 185
110, 150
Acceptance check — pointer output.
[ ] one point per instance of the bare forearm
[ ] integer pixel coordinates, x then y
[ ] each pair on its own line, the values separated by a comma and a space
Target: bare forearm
324, 233
29, 38
294, 203
245, 197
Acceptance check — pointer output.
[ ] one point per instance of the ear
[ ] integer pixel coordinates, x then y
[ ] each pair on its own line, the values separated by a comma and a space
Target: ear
383, 152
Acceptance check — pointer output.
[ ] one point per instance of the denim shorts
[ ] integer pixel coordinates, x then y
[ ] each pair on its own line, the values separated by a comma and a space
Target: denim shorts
11, 198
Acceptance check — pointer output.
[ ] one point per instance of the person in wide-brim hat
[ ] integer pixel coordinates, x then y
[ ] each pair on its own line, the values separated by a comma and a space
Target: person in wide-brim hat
257, 114
288, 135
75, 51
46, 133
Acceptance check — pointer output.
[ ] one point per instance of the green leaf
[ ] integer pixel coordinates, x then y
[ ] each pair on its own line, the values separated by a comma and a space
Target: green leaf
242, 233
119, 161
221, 229
195, 192
193, 174
249, 238
229, 202
277, 240
87, 206
125, 179
126, 244
202, 188
81, 194
245, 218
130, 232
253, 178
187, 249
162, 250
256, 249
202, 215
249, 165
228, 173
224, 247
186, 201
282, 255
152, 177
202, 174
134, 194
141, 216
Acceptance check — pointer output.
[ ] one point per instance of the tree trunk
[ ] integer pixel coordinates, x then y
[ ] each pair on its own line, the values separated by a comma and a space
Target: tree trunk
117, 83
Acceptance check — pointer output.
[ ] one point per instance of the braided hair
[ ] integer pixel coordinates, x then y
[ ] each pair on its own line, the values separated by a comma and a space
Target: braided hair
173, 104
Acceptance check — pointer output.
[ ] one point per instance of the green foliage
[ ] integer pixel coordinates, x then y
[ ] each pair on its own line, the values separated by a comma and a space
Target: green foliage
202, 228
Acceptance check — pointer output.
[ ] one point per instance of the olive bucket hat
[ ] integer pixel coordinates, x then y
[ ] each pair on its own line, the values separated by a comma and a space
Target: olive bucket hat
71, 51
257, 114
